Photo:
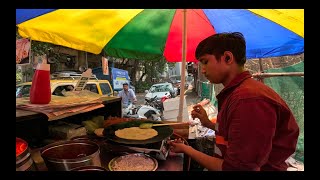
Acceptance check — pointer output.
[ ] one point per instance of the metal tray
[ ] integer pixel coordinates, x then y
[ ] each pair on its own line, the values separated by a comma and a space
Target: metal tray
119, 158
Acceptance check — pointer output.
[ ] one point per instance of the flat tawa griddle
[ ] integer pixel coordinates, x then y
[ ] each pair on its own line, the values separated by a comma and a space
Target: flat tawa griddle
163, 132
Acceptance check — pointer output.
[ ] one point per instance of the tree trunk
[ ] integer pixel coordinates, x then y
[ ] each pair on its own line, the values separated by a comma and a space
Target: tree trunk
133, 71
140, 80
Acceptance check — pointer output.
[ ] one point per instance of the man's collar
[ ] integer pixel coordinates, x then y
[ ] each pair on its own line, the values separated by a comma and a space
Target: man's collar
237, 80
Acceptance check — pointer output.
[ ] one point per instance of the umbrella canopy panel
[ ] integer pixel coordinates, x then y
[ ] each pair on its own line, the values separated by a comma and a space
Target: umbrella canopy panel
144, 37
82, 29
155, 33
26, 14
264, 38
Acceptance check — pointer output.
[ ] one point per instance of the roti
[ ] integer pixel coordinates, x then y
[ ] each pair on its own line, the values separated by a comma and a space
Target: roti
136, 133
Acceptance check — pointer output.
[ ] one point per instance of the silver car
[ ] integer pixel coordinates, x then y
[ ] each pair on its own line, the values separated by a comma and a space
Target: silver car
160, 90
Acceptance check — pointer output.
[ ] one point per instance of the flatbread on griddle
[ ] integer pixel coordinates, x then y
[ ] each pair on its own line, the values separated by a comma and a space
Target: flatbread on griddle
136, 133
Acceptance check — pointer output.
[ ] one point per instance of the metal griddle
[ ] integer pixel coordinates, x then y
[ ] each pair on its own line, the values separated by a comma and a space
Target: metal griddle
164, 132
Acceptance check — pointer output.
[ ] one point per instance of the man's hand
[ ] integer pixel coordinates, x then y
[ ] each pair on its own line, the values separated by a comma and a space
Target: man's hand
177, 146
199, 112
134, 101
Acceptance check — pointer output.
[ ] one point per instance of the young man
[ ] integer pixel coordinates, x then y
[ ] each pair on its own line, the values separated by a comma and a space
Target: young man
127, 95
255, 129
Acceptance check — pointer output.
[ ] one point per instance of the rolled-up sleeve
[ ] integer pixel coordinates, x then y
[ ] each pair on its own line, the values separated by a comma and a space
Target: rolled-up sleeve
252, 125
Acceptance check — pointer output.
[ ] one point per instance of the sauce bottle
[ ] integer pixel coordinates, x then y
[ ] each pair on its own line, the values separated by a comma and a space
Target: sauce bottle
40, 92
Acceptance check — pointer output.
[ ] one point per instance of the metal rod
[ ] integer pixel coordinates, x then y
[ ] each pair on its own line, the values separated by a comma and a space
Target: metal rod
260, 69
183, 65
259, 75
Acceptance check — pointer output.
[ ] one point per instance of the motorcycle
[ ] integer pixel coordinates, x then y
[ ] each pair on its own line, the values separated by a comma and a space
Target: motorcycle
157, 103
141, 112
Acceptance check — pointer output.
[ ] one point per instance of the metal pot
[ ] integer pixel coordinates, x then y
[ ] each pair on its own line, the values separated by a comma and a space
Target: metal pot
67, 155
24, 162
89, 168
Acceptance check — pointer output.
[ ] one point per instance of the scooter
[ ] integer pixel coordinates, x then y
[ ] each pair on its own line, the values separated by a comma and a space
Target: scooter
141, 112
157, 103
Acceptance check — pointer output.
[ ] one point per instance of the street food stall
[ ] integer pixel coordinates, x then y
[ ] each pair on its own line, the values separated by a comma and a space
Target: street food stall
90, 152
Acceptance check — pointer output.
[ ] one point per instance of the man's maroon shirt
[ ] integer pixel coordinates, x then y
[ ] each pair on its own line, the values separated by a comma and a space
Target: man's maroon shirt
259, 129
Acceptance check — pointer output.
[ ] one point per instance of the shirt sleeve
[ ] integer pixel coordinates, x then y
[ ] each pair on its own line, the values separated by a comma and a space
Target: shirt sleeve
252, 124
132, 94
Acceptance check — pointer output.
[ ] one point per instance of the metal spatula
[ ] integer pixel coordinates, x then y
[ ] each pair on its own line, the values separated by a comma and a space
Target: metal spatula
150, 125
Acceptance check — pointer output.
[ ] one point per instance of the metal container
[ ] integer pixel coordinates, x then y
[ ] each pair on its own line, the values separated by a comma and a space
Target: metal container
24, 162
89, 168
142, 162
67, 155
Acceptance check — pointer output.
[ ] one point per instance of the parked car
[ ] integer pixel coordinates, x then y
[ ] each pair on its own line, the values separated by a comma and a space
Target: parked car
176, 81
160, 90
58, 84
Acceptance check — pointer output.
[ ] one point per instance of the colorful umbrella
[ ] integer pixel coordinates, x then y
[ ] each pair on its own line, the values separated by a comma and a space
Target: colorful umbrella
155, 33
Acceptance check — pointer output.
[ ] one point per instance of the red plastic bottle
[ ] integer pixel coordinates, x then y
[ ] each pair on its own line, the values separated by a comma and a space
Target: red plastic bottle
40, 92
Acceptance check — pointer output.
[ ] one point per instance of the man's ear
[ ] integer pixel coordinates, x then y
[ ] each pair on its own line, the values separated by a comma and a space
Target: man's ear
228, 56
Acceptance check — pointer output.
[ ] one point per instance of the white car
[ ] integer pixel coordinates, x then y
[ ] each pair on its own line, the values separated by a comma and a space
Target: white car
160, 90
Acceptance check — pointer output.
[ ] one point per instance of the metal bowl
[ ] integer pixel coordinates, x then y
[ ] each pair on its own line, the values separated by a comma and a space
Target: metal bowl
66, 155
136, 167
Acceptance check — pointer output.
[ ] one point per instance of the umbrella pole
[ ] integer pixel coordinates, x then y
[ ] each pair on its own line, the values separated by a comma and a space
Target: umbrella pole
86, 60
183, 65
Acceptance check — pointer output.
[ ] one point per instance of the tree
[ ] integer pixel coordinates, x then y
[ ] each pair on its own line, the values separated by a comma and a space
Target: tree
151, 69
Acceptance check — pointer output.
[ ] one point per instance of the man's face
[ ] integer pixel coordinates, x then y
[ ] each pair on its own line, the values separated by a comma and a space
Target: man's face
125, 87
215, 71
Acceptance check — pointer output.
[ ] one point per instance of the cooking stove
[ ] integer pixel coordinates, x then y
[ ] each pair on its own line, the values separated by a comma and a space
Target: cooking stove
158, 150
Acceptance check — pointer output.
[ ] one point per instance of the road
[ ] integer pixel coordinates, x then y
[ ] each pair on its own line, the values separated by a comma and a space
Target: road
191, 98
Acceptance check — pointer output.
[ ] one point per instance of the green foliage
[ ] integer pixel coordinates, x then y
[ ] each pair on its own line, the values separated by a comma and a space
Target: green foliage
18, 75
153, 69
41, 48
142, 86
171, 65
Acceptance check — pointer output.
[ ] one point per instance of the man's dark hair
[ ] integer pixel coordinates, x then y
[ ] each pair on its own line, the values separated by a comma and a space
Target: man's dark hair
217, 44
125, 84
